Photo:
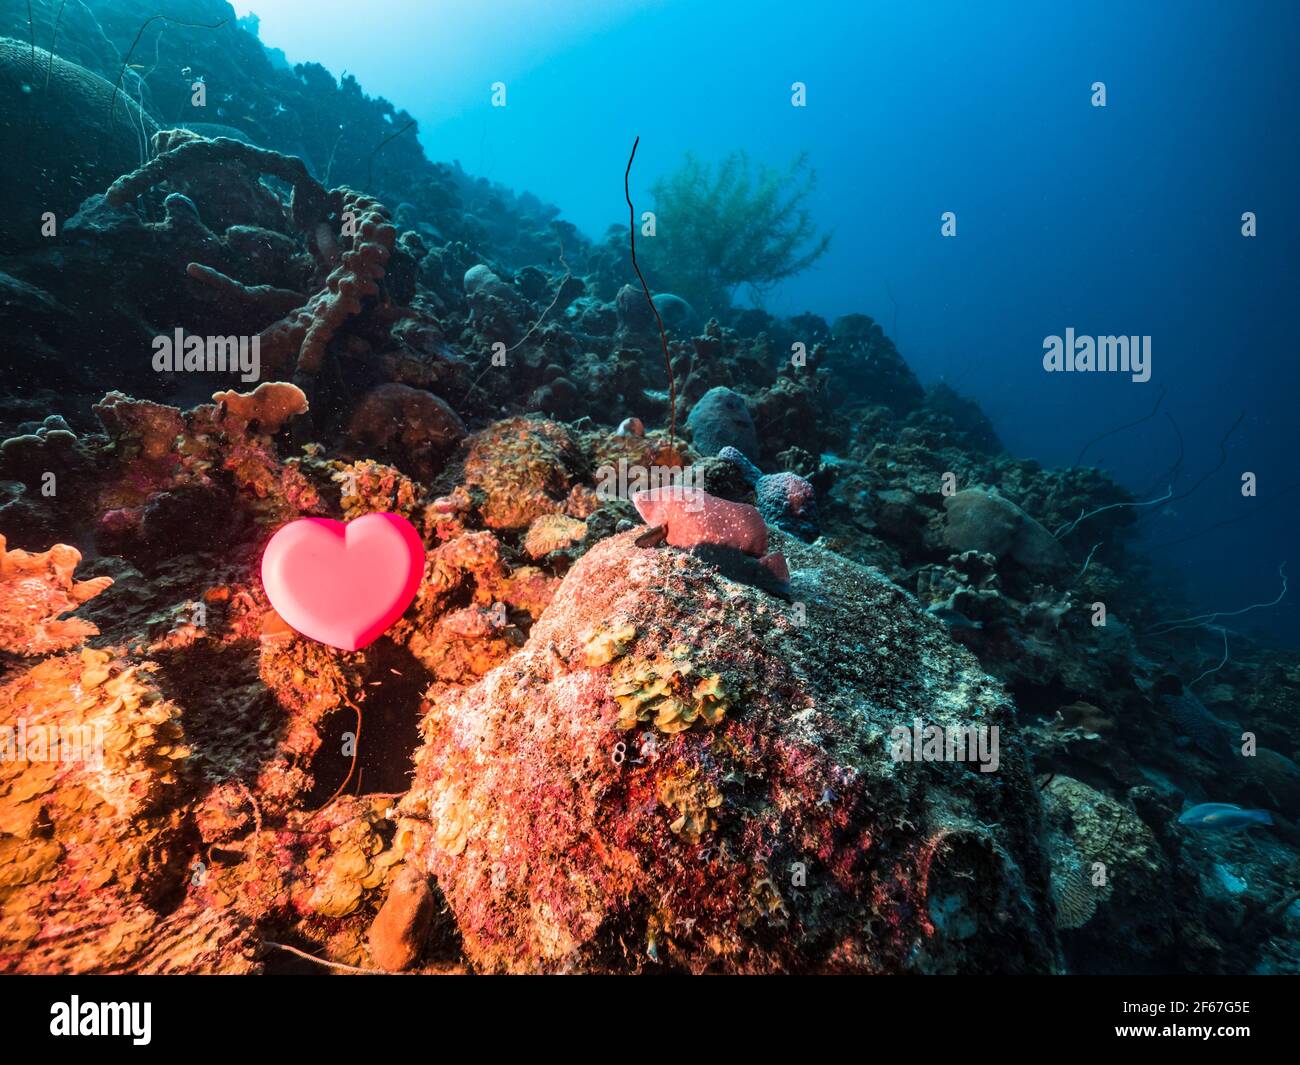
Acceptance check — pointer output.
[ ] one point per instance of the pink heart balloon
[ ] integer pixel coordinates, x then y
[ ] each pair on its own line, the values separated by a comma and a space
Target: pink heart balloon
343, 584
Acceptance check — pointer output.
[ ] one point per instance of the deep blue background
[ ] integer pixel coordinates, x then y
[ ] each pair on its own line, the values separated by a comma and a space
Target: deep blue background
1118, 220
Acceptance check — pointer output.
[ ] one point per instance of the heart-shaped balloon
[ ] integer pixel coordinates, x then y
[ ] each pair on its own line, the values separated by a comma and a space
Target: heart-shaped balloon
343, 583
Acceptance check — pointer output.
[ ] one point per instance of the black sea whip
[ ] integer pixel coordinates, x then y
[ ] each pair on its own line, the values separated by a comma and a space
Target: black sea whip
663, 336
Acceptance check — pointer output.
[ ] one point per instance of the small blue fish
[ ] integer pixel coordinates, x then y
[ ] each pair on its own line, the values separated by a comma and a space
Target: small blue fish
1224, 816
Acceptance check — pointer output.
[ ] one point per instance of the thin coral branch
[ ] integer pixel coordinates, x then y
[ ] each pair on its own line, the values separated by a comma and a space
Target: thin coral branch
893, 328
1201, 621
1068, 528
1223, 662
54, 37
1170, 476
138, 121
356, 746
329, 166
1223, 457
112, 104
370, 162
1120, 428
568, 273
1088, 561
1255, 511
31, 31
663, 335
322, 961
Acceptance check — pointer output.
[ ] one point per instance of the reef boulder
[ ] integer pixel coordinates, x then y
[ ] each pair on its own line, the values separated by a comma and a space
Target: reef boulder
679, 772
412, 428
979, 520
721, 419
869, 368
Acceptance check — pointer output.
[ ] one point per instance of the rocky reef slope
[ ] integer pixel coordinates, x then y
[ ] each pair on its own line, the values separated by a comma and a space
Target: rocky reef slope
583, 747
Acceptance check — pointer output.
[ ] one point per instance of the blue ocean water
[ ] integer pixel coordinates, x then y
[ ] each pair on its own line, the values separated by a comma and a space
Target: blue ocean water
1122, 219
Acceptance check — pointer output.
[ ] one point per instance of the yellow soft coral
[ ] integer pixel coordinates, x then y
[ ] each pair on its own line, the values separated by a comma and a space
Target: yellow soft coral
355, 861
93, 757
553, 532
35, 590
605, 645
693, 799
667, 692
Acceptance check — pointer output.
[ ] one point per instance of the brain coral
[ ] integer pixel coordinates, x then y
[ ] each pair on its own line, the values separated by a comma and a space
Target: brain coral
778, 835
70, 147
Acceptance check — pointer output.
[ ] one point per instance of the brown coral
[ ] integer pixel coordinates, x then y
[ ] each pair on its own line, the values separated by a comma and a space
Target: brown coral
525, 468
36, 589
693, 800
181, 151
246, 299
301, 338
268, 406
149, 429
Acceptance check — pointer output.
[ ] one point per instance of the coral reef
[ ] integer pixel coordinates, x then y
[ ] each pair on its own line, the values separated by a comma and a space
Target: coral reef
620, 728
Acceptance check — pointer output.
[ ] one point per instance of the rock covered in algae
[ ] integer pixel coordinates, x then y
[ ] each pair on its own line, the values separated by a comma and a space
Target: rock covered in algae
979, 520
1110, 880
720, 419
767, 827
